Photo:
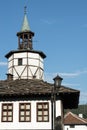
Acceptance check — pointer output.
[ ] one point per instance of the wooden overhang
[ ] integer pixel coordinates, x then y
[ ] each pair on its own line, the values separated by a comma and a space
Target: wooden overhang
25, 32
25, 50
38, 89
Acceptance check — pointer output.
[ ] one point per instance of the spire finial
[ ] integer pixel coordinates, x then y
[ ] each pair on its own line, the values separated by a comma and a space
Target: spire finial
25, 7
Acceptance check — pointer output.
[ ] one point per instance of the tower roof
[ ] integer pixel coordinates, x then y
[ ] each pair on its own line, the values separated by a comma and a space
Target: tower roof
25, 24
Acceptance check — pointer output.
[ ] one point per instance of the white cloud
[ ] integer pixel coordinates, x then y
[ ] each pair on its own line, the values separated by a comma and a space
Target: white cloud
49, 22
50, 76
71, 84
3, 63
74, 74
71, 75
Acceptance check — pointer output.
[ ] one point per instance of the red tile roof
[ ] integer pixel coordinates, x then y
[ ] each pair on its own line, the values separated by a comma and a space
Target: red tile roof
73, 119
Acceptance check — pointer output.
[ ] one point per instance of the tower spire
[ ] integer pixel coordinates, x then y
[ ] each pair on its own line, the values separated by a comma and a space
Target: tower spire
25, 35
25, 25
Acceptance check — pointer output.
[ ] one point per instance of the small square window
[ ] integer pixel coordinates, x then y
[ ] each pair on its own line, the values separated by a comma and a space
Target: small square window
20, 61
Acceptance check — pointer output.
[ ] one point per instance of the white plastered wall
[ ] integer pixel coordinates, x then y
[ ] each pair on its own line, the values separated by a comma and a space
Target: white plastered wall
27, 125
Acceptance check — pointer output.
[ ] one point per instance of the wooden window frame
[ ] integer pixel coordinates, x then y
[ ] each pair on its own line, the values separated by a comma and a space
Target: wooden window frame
43, 110
7, 110
20, 61
24, 110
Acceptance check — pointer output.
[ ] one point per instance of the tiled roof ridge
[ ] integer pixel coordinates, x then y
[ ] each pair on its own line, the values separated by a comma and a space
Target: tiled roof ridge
76, 116
36, 81
70, 88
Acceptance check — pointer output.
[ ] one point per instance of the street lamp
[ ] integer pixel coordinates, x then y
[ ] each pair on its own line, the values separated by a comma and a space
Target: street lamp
57, 85
57, 81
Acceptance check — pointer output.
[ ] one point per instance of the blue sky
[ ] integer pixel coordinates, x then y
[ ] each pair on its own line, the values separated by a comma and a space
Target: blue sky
60, 28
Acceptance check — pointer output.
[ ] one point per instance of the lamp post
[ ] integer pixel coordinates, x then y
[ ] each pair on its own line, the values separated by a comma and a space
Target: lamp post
57, 84
57, 81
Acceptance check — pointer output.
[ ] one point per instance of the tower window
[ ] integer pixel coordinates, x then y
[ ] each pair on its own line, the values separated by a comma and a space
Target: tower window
20, 61
7, 112
24, 112
43, 112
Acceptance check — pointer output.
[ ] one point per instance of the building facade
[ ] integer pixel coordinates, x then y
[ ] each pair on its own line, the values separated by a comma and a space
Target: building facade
27, 102
74, 122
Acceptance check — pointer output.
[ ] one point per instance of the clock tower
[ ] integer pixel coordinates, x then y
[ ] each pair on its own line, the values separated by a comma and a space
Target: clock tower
25, 62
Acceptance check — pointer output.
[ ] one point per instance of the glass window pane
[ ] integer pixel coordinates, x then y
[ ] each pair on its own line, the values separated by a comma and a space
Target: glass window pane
22, 106
45, 112
4, 118
10, 107
39, 106
45, 118
22, 112
27, 118
20, 61
27, 112
9, 118
22, 118
28, 106
45, 106
39, 118
4, 107
4, 113
39, 112
9, 113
